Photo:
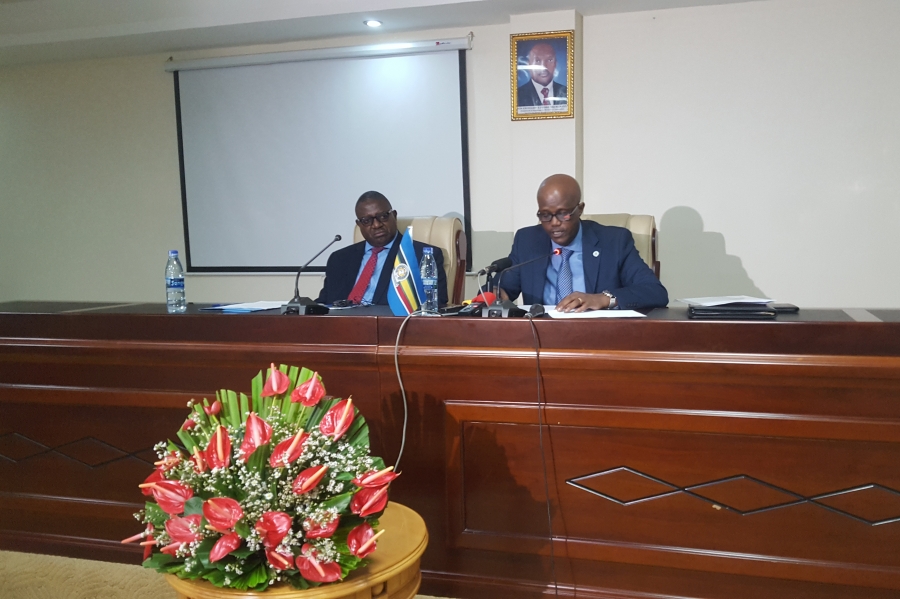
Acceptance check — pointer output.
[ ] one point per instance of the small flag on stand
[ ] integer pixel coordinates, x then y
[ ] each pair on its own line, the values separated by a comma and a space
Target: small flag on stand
406, 283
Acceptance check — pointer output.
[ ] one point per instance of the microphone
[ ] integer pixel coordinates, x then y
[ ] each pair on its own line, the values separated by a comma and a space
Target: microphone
304, 305
496, 266
506, 308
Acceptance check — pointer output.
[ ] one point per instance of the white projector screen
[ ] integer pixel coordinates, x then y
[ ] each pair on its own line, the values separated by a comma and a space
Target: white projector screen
274, 156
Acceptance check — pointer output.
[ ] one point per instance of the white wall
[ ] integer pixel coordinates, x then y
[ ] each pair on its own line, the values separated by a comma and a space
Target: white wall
763, 136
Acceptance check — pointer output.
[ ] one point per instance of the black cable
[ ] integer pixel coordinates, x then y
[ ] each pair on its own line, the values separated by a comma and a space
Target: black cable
541, 406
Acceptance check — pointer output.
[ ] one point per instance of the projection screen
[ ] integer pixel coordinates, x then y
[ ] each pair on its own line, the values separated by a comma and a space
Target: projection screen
274, 156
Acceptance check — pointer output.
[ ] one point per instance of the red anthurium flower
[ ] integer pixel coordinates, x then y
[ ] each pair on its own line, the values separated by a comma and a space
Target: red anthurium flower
171, 549
375, 478
368, 501
310, 392
188, 425
307, 480
273, 527
199, 462
315, 571
224, 546
222, 513
170, 495
320, 531
338, 419
218, 453
257, 433
147, 487
276, 384
278, 561
184, 530
361, 540
289, 450
214, 409
150, 542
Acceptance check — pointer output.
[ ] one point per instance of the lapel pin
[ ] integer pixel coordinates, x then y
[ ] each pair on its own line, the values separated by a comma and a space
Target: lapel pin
596, 253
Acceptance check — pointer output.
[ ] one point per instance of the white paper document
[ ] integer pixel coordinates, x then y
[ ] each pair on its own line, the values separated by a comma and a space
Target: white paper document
247, 307
595, 314
724, 300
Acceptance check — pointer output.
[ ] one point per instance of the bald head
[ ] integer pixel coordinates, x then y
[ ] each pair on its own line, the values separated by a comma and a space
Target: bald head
559, 198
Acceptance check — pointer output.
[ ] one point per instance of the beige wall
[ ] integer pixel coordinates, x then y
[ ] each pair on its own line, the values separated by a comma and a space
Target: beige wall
763, 136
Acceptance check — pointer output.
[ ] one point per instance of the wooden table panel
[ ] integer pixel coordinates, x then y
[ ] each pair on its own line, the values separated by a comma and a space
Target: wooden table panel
809, 404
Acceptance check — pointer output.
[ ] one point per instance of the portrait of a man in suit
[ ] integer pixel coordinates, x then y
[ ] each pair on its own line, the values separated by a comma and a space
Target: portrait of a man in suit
542, 74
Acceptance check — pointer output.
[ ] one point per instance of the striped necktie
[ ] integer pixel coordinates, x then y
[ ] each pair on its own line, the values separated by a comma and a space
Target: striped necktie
564, 278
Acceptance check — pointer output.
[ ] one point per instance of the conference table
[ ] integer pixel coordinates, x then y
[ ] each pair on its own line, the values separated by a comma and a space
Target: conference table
647, 457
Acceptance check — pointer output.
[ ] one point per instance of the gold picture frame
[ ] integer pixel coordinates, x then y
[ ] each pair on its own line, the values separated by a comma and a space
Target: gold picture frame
539, 64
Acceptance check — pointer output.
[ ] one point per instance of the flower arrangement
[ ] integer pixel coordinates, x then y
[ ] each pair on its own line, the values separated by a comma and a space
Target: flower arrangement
275, 487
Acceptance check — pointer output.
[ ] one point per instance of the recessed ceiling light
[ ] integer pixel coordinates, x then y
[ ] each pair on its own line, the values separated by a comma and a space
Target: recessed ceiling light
373, 23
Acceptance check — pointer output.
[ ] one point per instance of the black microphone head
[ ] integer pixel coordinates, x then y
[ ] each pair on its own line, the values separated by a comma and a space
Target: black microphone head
556, 252
337, 237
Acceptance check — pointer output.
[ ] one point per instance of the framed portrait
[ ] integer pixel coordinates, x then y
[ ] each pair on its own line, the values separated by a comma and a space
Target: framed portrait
542, 78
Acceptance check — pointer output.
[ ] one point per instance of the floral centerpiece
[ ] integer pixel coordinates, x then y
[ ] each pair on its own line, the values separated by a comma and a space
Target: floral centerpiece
275, 487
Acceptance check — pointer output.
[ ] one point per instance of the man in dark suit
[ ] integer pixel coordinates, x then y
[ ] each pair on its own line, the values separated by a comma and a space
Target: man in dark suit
361, 272
598, 266
542, 90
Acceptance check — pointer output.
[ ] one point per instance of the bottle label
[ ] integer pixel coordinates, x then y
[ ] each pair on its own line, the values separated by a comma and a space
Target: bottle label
429, 282
174, 283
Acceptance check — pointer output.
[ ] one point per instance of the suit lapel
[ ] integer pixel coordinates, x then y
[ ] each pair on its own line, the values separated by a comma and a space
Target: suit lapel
536, 274
590, 245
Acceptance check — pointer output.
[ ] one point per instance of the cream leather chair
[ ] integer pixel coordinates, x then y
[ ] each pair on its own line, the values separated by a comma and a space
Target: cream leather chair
443, 232
643, 229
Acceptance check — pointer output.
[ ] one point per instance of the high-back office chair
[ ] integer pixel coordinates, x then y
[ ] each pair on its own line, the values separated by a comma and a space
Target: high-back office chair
643, 229
443, 232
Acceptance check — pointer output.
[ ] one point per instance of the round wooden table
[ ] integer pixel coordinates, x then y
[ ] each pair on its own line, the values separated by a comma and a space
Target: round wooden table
392, 573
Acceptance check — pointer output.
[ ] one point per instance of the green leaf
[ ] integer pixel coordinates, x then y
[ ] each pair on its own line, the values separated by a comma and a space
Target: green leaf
216, 577
242, 528
358, 433
242, 552
155, 515
192, 506
259, 459
232, 409
189, 443
338, 502
203, 550
245, 407
256, 387
157, 561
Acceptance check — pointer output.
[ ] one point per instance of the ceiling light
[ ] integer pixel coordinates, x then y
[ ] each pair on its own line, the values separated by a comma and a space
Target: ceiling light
373, 23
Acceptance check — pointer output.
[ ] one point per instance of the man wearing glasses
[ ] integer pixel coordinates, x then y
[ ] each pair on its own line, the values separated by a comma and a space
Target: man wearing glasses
597, 268
360, 274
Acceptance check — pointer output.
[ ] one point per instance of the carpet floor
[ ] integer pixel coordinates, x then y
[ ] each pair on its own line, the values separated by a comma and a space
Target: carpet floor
35, 576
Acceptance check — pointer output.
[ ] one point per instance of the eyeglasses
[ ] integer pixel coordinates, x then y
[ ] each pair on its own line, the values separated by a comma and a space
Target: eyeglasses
367, 221
561, 215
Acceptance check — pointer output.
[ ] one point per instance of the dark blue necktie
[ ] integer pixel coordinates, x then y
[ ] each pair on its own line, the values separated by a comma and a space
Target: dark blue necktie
564, 279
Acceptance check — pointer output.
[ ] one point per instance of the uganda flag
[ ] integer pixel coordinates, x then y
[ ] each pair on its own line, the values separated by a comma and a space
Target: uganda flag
406, 283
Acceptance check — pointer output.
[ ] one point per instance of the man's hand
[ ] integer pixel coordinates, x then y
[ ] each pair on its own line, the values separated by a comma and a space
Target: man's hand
582, 302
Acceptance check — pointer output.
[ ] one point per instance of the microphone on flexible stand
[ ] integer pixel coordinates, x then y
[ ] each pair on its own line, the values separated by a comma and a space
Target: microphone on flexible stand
304, 305
496, 266
505, 308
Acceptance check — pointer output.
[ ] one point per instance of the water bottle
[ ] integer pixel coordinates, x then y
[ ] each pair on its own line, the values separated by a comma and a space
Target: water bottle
175, 302
428, 270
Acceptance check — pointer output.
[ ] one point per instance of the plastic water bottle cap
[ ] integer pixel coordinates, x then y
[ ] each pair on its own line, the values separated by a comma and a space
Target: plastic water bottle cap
427, 250
173, 253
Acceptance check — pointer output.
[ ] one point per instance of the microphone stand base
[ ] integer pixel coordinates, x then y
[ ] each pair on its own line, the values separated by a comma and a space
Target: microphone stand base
503, 309
303, 307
